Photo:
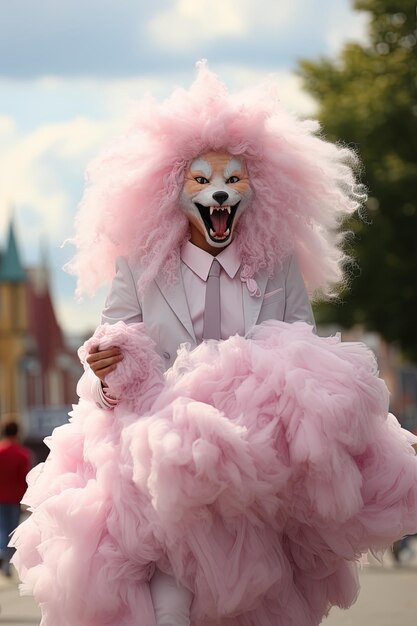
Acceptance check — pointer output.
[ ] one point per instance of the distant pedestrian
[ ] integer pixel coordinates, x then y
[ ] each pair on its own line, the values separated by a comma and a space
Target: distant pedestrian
14, 466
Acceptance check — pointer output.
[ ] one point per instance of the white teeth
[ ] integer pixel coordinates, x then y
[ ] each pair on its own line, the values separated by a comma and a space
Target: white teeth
212, 233
220, 208
227, 232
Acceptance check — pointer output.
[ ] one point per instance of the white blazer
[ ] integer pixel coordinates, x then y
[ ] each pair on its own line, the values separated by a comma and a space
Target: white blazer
164, 310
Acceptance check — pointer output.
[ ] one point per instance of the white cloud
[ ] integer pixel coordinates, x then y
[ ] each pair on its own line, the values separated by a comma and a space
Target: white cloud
345, 25
191, 22
74, 138
32, 167
188, 24
110, 97
7, 126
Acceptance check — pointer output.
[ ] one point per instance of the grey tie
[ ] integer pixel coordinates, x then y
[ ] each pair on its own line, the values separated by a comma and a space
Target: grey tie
211, 328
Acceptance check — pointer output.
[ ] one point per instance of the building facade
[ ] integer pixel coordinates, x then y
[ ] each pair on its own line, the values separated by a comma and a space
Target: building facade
38, 369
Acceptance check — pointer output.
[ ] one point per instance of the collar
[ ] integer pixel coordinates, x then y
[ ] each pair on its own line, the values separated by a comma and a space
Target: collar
199, 261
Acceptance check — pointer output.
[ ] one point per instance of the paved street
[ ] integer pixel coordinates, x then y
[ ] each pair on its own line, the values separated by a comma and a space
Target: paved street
388, 598
16, 611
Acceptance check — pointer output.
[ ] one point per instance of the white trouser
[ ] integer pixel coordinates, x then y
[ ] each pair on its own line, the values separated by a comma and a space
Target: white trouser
171, 602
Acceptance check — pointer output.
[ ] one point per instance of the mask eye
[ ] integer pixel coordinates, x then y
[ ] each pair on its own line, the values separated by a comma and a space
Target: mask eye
233, 179
201, 180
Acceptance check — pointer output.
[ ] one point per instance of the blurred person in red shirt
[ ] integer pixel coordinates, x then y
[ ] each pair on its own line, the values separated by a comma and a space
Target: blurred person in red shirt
14, 466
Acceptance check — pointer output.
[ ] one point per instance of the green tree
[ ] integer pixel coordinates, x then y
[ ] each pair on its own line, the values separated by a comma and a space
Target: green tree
367, 98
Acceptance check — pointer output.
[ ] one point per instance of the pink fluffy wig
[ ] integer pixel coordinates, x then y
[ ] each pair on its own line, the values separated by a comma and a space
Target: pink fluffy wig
303, 187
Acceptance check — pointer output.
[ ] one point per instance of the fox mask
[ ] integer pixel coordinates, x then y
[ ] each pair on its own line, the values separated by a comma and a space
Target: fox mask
216, 192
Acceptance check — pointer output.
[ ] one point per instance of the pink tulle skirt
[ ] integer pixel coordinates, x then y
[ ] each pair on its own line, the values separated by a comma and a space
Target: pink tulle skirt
256, 471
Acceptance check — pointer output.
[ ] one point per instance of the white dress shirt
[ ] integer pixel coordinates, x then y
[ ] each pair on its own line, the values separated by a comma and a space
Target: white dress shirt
195, 267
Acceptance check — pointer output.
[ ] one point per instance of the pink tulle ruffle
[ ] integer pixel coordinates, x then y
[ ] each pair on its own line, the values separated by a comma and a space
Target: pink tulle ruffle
257, 472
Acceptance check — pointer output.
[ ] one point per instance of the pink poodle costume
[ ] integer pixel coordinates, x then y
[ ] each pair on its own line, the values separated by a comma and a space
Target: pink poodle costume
258, 469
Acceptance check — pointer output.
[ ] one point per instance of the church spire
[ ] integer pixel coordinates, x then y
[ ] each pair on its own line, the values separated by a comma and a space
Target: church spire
11, 268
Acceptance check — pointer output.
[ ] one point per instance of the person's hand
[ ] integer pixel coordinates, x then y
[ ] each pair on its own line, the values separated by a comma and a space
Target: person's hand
102, 362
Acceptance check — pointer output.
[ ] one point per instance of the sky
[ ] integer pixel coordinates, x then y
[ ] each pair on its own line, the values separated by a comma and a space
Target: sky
71, 72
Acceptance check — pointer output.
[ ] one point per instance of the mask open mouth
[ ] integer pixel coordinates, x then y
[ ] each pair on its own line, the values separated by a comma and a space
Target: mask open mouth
218, 220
